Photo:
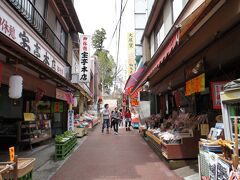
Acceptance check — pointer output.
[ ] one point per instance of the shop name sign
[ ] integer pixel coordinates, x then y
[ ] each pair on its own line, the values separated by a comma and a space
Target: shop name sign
84, 70
20, 34
195, 85
216, 88
131, 54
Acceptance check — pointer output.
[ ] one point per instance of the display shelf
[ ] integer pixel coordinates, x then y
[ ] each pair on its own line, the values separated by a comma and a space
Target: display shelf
176, 151
31, 132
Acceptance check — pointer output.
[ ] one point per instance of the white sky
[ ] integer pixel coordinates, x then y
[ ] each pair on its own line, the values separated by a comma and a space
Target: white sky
97, 14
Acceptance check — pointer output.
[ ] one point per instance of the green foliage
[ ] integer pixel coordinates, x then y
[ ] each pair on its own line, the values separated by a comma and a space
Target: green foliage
106, 68
107, 65
98, 38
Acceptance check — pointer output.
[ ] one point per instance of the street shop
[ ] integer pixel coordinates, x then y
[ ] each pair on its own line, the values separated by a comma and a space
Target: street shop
34, 86
219, 153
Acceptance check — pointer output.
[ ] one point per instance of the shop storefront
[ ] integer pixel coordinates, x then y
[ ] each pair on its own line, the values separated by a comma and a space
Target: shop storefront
34, 85
188, 84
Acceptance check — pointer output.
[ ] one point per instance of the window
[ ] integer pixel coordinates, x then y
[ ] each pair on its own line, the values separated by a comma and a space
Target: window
63, 41
159, 32
160, 35
167, 17
177, 6
152, 44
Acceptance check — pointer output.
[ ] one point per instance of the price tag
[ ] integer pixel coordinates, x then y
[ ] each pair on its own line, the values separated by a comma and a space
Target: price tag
11, 153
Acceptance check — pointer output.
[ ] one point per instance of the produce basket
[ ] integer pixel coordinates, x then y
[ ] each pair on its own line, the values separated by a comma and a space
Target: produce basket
24, 169
5, 168
25, 165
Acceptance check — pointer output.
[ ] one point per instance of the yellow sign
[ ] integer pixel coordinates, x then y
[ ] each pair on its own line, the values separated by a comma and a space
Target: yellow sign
195, 85
131, 44
11, 153
131, 53
29, 117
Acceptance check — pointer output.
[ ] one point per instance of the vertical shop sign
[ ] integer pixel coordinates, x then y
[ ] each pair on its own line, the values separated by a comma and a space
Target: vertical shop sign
216, 88
131, 53
11, 153
57, 107
84, 70
70, 120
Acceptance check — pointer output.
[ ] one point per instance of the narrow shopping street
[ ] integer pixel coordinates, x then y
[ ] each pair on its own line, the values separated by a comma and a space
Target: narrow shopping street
109, 156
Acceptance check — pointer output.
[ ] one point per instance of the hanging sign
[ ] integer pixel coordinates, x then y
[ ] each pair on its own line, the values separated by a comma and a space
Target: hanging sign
195, 85
57, 107
134, 102
216, 88
22, 35
84, 70
70, 120
131, 53
11, 153
69, 97
60, 94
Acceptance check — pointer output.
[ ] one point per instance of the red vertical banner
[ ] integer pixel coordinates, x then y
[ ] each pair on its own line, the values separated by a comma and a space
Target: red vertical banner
56, 107
1, 72
216, 88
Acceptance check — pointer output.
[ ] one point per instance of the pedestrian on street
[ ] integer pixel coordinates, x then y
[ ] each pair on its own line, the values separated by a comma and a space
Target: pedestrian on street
115, 117
111, 120
106, 118
128, 120
121, 118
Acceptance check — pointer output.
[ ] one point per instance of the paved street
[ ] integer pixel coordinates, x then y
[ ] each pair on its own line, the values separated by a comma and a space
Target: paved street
109, 156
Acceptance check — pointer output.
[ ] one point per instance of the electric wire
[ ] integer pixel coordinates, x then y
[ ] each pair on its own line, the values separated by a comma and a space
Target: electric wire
122, 10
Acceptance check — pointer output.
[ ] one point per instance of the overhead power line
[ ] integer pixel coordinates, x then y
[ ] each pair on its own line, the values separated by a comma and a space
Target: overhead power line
121, 13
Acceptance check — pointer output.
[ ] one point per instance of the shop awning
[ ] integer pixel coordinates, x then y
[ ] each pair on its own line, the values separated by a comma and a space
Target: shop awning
161, 57
133, 78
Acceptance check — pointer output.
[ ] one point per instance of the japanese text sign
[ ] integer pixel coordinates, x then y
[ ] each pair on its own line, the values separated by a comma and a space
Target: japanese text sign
195, 85
131, 53
70, 120
84, 70
23, 36
216, 88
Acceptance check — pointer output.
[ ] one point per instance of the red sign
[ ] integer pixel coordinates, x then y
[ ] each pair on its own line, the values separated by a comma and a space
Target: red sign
216, 88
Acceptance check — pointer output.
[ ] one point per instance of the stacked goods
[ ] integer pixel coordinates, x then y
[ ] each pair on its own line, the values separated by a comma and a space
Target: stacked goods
64, 144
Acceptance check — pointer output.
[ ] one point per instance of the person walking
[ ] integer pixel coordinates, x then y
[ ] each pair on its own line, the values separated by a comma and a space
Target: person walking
106, 118
115, 117
128, 120
121, 118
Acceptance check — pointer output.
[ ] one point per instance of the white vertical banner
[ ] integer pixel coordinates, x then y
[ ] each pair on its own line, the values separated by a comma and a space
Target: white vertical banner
85, 64
70, 120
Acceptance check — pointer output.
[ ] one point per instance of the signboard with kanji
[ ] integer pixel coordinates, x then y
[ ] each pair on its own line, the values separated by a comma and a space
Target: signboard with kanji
85, 64
70, 120
23, 36
131, 53
195, 85
216, 88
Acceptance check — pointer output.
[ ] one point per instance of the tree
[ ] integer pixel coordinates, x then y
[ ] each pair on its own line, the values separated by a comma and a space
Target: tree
98, 38
107, 66
106, 69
